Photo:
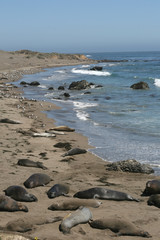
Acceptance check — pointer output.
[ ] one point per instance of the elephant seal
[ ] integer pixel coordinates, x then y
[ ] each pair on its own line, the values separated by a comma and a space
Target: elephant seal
18, 193
152, 187
82, 215
26, 224
154, 200
119, 226
74, 151
73, 204
107, 194
29, 163
58, 190
63, 128
10, 205
37, 179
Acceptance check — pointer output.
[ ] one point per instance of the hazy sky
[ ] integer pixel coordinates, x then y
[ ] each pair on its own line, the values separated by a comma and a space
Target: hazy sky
80, 25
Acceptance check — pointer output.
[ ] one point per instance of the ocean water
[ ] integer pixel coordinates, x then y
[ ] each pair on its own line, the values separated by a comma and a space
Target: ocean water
121, 123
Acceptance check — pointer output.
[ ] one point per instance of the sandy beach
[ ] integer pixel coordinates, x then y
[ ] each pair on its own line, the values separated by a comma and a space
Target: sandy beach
80, 172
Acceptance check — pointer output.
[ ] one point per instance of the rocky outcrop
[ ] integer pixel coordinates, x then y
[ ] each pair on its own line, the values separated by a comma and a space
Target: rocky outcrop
79, 85
130, 165
34, 83
140, 85
96, 68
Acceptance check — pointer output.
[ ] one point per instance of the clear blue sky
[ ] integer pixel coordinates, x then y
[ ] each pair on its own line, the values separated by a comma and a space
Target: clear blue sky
80, 25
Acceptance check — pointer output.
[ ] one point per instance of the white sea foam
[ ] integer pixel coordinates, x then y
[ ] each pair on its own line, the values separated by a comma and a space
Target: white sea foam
157, 82
60, 71
88, 55
85, 66
90, 72
82, 115
42, 86
81, 105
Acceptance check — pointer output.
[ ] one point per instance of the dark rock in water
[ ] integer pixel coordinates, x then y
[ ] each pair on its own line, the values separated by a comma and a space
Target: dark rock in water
66, 95
87, 93
96, 68
61, 88
23, 83
130, 165
98, 86
65, 145
35, 83
50, 88
108, 98
79, 85
140, 85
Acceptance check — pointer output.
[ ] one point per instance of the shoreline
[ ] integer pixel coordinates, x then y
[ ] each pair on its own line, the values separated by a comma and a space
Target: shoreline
80, 172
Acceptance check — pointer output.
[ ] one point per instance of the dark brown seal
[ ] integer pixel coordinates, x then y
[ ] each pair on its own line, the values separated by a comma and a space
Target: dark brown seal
10, 205
58, 190
154, 200
18, 193
30, 163
37, 179
119, 226
152, 187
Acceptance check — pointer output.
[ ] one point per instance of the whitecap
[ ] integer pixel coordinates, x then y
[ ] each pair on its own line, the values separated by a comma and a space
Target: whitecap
88, 55
81, 105
157, 82
90, 72
82, 115
85, 66
42, 86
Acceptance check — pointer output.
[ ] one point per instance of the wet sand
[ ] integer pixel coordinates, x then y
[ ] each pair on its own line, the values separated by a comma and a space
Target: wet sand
80, 172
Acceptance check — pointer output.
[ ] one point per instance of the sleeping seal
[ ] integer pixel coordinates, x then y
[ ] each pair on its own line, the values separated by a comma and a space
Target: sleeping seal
18, 193
26, 224
154, 200
119, 226
102, 193
73, 204
37, 179
152, 187
74, 151
10, 205
29, 163
58, 190
82, 215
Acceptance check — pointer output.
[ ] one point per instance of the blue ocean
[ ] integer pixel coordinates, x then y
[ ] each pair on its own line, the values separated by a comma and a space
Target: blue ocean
121, 123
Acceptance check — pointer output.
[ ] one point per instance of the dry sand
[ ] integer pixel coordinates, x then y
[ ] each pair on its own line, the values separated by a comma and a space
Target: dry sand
82, 172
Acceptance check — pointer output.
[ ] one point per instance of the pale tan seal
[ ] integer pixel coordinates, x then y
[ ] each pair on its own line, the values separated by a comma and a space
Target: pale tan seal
63, 128
10, 205
82, 215
26, 224
73, 204
119, 226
